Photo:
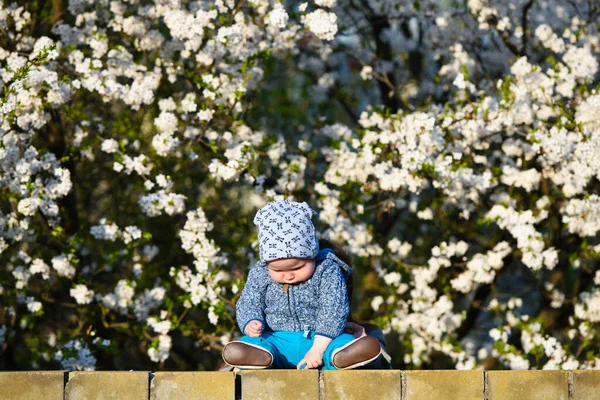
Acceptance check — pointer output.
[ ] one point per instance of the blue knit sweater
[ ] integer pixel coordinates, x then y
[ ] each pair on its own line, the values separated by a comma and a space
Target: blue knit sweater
319, 303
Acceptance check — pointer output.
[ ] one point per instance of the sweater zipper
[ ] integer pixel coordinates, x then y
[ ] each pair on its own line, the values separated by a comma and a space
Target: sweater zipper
292, 308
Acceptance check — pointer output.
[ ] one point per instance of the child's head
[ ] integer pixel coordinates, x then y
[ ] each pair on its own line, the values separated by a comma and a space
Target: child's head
287, 240
291, 270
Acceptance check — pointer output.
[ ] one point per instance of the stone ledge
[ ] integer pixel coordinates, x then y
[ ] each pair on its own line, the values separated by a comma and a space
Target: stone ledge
528, 385
107, 385
350, 385
447, 385
38, 385
280, 384
193, 385
586, 385
312, 385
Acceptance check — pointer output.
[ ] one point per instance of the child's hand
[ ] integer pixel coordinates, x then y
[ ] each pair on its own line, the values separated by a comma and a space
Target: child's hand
312, 359
254, 328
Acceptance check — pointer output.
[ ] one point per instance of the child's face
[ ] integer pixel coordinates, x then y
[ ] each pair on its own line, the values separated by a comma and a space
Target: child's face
291, 270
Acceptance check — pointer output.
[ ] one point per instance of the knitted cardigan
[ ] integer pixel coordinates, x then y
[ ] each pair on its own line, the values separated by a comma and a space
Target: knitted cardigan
319, 303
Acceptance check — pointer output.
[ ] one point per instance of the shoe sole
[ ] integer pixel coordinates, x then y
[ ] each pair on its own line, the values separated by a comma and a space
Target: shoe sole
360, 364
248, 366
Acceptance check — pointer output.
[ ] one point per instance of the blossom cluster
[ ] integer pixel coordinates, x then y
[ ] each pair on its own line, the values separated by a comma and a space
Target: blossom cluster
454, 155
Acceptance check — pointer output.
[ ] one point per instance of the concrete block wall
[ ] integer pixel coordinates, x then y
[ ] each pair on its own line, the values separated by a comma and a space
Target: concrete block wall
310, 385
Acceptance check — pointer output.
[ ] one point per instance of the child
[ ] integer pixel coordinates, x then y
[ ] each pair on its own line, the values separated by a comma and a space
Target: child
295, 305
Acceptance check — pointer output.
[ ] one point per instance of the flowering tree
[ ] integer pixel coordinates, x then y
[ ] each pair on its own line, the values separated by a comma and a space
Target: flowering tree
452, 148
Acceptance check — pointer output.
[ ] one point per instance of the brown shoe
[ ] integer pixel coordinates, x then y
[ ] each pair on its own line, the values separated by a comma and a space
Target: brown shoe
246, 356
357, 353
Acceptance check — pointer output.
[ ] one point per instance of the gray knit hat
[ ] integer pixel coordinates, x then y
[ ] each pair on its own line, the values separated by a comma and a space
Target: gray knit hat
285, 230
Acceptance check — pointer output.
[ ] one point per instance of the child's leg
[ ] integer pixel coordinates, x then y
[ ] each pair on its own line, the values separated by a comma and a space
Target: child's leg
251, 352
261, 342
291, 347
338, 342
285, 348
351, 352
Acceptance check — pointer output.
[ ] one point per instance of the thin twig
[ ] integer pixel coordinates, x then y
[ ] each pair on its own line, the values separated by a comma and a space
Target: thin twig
237, 8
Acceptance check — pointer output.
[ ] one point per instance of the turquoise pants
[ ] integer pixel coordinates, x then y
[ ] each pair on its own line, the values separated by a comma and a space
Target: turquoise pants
288, 348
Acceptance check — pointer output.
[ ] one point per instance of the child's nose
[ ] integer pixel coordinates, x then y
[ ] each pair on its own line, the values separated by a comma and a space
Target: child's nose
289, 276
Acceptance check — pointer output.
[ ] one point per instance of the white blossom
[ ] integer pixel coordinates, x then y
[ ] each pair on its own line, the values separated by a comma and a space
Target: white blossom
110, 146
161, 353
63, 266
278, 17
322, 23
131, 233
104, 231
82, 294
79, 356
367, 72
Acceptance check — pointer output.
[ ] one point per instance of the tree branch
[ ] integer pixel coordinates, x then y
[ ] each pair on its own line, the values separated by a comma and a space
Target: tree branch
524, 22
